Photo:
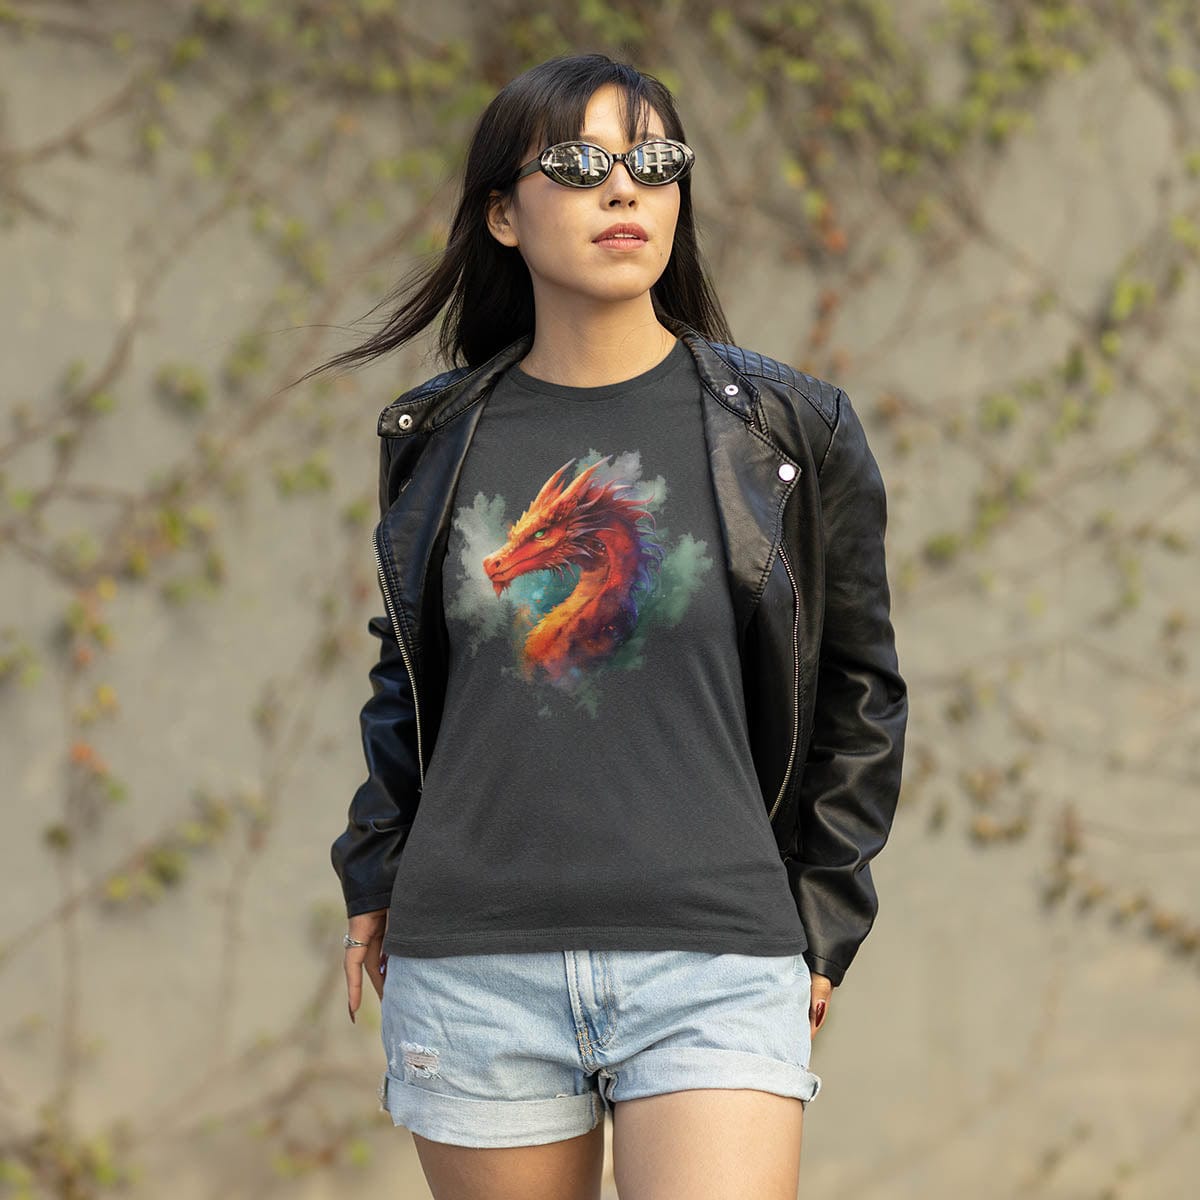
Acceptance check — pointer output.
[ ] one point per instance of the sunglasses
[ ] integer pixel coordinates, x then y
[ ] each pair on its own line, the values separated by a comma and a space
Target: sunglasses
576, 164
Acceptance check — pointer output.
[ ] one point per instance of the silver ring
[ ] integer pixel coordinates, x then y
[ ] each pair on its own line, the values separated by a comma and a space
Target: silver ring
347, 940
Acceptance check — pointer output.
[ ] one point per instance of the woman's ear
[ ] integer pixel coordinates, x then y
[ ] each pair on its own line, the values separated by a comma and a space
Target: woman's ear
497, 219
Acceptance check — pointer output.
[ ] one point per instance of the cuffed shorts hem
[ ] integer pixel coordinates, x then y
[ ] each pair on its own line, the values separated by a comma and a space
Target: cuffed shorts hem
467, 1121
653, 1072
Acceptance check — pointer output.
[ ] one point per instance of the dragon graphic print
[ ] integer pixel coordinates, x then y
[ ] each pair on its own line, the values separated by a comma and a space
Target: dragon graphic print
578, 582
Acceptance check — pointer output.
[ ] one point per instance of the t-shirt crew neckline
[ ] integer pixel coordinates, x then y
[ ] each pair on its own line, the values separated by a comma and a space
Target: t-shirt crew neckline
605, 391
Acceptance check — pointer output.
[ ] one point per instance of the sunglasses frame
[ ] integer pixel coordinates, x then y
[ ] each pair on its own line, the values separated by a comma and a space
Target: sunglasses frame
542, 162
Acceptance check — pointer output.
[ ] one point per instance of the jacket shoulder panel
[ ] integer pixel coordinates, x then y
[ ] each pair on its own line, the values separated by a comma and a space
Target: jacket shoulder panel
821, 407
821, 395
424, 392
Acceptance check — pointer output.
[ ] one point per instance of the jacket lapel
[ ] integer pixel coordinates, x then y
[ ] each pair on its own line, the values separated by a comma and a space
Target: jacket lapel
744, 462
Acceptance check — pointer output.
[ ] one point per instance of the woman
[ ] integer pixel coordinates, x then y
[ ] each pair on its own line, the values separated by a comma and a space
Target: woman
637, 725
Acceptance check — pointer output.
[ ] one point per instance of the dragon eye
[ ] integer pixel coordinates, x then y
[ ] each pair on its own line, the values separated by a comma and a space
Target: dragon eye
541, 533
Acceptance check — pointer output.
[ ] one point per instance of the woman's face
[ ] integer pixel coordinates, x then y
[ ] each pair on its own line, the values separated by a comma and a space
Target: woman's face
556, 227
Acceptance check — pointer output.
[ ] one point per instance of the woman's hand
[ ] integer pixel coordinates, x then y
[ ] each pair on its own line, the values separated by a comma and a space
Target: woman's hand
818, 1005
366, 927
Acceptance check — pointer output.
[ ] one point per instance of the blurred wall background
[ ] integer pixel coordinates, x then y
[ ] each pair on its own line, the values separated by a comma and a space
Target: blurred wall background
981, 219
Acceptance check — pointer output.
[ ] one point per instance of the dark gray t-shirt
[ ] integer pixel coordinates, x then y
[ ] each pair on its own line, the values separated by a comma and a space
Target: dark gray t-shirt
592, 783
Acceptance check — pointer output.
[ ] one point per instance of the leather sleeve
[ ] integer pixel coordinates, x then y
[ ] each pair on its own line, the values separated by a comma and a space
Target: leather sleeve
366, 855
851, 779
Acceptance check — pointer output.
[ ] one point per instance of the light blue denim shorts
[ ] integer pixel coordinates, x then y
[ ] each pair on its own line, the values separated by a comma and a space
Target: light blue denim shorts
523, 1049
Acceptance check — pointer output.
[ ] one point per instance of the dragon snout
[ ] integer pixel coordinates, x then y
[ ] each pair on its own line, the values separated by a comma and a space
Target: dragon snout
493, 565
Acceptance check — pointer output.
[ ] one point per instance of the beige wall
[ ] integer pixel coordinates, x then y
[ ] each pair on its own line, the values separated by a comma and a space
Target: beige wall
986, 1043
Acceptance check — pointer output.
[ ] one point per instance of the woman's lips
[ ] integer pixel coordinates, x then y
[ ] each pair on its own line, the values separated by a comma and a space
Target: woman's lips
621, 243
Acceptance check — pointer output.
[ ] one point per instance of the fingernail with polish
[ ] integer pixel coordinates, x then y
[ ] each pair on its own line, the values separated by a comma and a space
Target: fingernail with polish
351, 1012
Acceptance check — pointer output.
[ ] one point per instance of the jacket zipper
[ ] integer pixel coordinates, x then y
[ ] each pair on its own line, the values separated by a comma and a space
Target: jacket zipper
796, 684
387, 596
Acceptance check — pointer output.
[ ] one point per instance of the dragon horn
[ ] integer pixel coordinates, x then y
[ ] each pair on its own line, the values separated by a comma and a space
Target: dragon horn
551, 489
581, 480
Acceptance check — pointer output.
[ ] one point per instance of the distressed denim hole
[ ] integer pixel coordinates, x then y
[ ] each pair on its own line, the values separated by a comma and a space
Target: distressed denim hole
421, 1061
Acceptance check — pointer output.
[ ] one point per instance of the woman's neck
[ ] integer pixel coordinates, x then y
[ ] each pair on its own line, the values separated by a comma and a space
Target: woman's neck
561, 355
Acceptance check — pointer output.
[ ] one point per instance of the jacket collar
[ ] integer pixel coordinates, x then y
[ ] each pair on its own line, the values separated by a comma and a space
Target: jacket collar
442, 398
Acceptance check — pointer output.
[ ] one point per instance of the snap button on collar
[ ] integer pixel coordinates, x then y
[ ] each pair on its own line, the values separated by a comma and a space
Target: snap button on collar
787, 471
404, 420
731, 389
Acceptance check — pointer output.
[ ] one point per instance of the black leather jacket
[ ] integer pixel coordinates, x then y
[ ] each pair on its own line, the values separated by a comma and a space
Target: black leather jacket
802, 509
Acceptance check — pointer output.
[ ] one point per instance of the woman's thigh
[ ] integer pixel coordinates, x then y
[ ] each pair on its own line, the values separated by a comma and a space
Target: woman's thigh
566, 1170
708, 1144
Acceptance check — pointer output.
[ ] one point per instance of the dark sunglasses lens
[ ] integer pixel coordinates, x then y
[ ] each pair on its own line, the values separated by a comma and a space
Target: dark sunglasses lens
658, 162
579, 165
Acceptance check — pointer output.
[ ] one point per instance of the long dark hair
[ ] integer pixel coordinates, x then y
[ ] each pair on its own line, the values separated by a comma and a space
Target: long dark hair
485, 286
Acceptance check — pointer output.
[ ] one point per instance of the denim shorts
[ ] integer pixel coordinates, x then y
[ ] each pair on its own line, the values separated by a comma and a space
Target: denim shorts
523, 1049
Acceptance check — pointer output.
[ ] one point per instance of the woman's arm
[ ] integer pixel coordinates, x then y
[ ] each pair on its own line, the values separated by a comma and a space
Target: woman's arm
851, 778
366, 855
